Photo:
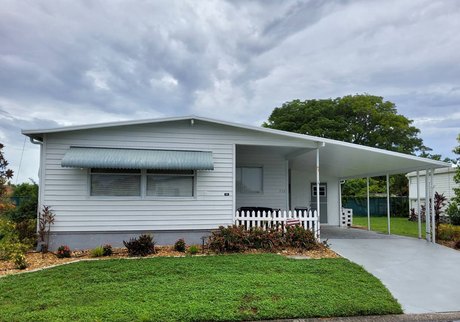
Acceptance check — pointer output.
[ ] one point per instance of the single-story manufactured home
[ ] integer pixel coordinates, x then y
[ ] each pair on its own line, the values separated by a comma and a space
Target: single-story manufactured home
182, 177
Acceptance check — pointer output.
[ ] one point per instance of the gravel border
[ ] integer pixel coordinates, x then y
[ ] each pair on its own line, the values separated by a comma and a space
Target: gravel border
436, 317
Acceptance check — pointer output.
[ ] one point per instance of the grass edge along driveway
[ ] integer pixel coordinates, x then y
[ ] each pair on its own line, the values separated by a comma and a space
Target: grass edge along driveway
216, 288
398, 225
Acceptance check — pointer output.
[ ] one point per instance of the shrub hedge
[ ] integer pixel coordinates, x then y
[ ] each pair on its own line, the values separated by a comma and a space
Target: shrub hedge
448, 232
233, 239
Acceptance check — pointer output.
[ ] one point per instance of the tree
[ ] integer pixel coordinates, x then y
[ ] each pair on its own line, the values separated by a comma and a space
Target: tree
361, 119
453, 209
27, 196
5, 173
456, 150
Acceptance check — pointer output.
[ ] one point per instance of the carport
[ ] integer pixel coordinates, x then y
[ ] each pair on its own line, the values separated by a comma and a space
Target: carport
341, 161
424, 277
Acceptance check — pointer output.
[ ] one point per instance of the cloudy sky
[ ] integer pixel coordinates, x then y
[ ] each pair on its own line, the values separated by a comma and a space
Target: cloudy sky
76, 62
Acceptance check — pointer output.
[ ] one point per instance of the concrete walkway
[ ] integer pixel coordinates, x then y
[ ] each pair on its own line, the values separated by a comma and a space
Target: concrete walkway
422, 276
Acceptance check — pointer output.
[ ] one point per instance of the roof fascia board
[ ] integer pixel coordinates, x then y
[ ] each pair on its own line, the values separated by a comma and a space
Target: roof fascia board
321, 142
450, 169
380, 174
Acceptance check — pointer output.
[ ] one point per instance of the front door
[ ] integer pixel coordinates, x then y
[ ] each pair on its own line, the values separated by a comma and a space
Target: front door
322, 201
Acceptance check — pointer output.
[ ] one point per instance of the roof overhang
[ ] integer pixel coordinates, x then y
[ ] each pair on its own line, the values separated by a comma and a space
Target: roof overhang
80, 157
339, 159
348, 161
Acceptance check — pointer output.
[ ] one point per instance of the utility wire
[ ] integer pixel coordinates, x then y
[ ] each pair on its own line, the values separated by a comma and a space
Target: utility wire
20, 161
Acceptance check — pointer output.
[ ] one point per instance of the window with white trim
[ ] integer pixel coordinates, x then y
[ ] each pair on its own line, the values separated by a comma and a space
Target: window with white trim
142, 183
249, 180
177, 183
115, 182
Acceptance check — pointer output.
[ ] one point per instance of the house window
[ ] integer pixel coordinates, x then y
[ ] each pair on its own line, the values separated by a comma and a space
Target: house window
115, 182
170, 183
249, 179
322, 190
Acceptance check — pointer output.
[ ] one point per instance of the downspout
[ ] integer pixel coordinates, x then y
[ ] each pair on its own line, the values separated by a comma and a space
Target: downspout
39, 205
33, 141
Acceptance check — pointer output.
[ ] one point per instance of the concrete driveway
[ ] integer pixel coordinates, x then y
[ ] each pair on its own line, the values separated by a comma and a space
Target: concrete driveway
422, 276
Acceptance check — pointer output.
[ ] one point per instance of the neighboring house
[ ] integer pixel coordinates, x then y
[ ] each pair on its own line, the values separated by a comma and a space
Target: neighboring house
182, 177
443, 181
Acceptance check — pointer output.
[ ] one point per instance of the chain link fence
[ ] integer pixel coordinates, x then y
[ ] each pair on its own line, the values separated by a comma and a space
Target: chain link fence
399, 206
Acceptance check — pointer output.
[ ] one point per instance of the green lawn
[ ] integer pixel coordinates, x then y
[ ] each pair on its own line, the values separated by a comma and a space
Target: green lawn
230, 287
398, 225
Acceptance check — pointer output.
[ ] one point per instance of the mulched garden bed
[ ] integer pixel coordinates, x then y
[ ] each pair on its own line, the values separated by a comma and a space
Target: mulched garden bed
448, 243
37, 261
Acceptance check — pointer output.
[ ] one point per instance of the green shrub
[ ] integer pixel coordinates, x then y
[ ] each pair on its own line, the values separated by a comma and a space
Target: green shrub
27, 231
14, 251
97, 252
265, 239
19, 260
453, 211
63, 252
179, 246
238, 239
229, 239
193, 250
448, 232
299, 237
11, 247
141, 246
107, 250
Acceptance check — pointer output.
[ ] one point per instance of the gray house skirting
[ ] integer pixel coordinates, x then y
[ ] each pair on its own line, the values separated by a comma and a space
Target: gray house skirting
87, 240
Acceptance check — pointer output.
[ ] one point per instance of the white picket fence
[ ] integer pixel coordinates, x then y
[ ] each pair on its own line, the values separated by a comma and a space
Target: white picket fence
278, 219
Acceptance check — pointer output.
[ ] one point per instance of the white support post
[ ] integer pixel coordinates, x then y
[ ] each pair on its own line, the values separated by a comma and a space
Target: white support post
419, 218
368, 207
433, 214
427, 206
317, 190
388, 204
340, 203
287, 185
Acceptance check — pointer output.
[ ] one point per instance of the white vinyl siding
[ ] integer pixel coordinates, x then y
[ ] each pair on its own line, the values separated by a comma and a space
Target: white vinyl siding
66, 190
444, 183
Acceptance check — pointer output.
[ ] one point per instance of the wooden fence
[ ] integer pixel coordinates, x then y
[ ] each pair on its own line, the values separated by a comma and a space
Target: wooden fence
279, 219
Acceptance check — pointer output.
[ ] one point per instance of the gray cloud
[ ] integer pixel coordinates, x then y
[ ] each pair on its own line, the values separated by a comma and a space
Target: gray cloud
92, 61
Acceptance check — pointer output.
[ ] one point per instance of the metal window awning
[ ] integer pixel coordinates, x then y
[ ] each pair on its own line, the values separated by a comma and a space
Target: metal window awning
80, 157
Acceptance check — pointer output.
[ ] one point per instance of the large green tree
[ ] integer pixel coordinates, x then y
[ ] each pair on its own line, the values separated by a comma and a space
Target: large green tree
5, 173
457, 174
453, 209
26, 195
362, 119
